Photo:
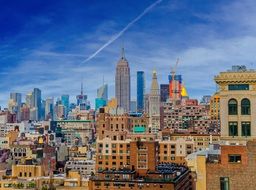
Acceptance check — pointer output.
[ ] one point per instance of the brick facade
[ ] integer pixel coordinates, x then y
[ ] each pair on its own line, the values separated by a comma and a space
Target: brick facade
241, 175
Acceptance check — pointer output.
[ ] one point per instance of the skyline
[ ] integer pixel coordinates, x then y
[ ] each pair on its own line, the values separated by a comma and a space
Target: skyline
42, 44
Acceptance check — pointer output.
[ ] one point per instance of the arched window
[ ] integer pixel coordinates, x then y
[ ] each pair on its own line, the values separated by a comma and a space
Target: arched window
232, 107
245, 107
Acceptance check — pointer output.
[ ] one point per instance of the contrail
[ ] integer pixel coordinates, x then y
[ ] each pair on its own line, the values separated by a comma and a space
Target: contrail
115, 37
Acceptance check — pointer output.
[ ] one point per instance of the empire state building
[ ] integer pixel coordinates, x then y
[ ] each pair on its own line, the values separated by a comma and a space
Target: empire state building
122, 80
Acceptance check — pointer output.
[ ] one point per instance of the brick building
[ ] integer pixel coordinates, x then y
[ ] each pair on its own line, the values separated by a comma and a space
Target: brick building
235, 168
129, 156
188, 116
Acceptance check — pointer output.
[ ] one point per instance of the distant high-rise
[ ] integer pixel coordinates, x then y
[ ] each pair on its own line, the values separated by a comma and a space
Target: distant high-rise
122, 83
154, 105
29, 100
65, 103
16, 97
15, 104
82, 101
102, 92
164, 92
154, 97
205, 99
49, 108
175, 87
37, 100
102, 97
140, 90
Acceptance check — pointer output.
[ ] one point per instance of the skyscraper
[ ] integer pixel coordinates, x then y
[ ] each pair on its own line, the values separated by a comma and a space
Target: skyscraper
164, 92
154, 97
15, 104
29, 100
102, 97
140, 90
154, 105
122, 83
49, 108
102, 92
82, 101
16, 97
175, 87
65, 103
37, 100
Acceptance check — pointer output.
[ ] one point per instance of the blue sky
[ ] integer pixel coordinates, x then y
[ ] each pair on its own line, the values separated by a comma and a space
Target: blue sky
44, 43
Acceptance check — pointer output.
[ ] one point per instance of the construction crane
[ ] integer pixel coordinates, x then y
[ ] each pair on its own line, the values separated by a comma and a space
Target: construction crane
173, 91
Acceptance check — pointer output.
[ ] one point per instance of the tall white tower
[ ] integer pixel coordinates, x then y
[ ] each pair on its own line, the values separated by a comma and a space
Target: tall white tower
154, 104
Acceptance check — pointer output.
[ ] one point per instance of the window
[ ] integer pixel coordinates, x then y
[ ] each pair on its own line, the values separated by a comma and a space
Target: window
234, 158
238, 87
224, 183
233, 129
246, 129
245, 107
232, 107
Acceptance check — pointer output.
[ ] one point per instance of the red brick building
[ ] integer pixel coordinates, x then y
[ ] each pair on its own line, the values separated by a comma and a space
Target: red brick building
234, 169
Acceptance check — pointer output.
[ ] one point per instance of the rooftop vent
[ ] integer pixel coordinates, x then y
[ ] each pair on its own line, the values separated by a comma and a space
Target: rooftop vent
238, 68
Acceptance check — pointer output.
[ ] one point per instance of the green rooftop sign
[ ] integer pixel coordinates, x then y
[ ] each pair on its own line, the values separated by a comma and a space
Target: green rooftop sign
139, 129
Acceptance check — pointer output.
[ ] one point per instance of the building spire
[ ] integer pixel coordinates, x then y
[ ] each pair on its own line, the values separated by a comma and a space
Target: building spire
154, 84
122, 51
82, 88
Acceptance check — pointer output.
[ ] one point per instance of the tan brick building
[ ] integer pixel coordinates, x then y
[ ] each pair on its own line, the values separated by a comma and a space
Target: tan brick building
237, 89
127, 156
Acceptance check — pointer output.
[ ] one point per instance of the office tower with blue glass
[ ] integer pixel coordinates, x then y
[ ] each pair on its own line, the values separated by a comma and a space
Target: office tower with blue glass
65, 103
140, 90
102, 97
